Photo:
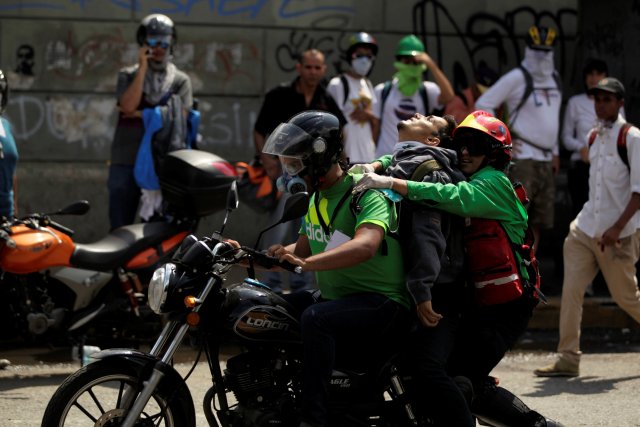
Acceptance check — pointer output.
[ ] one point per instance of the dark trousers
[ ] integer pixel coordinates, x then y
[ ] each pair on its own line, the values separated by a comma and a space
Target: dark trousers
486, 334
124, 196
437, 392
361, 326
578, 184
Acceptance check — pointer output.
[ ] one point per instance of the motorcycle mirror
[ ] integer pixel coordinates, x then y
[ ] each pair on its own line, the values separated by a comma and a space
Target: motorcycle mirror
232, 196
232, 203
80, 207
295, 206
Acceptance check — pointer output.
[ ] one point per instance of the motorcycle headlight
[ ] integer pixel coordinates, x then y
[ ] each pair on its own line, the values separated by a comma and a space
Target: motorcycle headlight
159, 287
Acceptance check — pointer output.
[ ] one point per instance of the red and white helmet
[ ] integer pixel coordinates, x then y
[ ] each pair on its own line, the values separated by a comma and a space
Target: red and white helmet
500, 137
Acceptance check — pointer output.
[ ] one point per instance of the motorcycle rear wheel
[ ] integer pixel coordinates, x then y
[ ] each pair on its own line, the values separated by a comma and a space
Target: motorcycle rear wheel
92, 396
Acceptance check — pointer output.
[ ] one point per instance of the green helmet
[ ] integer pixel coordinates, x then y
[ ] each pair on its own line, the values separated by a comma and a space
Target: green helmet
409, 46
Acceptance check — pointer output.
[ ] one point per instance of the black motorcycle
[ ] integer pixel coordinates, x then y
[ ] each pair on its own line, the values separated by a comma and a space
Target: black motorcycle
260, 384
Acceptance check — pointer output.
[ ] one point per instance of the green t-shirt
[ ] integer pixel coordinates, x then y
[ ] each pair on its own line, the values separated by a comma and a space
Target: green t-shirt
384, 272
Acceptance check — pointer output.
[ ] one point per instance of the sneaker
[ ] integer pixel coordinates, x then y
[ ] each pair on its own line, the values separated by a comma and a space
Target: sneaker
4, 363
560, 368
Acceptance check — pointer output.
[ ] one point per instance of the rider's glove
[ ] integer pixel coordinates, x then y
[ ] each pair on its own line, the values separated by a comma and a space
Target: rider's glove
372, 180
362, 168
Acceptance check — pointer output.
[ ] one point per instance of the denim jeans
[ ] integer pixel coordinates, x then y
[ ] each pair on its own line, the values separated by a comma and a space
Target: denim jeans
124, 196
361, 327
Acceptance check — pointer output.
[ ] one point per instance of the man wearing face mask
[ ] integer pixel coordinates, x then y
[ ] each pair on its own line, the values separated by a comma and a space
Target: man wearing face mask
407, 93
354, 94
149, 83
532, 96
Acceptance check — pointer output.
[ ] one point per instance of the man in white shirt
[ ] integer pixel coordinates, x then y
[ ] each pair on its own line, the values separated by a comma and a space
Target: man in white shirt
533, 98
407, 93
579, 119
353, 93
605, 235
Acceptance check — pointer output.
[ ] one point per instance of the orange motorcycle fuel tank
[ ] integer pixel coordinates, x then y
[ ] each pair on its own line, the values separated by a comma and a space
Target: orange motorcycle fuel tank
35, 250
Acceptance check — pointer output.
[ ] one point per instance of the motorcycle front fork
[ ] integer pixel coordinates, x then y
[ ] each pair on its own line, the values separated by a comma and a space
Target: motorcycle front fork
166, 346
173, 334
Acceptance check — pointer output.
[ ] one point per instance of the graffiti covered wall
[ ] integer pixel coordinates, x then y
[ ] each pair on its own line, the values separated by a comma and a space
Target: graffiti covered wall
62, 57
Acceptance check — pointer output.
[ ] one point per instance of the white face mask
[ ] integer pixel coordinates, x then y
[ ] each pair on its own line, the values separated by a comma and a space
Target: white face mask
539, 62
361, 65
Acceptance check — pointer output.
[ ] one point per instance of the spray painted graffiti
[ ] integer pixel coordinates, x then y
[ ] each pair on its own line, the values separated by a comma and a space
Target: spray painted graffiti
486, 41
486, 37
84, 120
87, 123
287, 9
226, 132
298, 42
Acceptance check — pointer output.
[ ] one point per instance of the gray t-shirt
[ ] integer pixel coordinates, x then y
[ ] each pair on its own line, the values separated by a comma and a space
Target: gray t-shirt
129, 131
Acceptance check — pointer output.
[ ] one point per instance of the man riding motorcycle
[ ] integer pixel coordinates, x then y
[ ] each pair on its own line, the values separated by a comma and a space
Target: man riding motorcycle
363, 303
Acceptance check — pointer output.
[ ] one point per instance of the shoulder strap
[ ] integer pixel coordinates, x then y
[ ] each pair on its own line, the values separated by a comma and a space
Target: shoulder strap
383, 98
425, 99
425, 168
528, 89
327, 227
592, 137
558, 80
622, 143
384, 95
345, 88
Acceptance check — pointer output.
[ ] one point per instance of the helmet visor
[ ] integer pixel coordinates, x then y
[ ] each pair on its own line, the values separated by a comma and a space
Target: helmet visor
291, 165
288, 140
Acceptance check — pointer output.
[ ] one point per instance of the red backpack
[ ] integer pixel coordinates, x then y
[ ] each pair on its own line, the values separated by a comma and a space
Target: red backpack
492, 262
621, 142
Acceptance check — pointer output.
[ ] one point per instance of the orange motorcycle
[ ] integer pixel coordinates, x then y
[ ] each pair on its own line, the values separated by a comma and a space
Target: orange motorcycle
52, 287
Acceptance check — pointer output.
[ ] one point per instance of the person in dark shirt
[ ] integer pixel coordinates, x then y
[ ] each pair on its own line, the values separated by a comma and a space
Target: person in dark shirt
147, 84
306, 92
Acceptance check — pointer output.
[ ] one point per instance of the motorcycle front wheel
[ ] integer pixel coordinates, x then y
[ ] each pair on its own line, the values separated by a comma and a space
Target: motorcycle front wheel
95, 396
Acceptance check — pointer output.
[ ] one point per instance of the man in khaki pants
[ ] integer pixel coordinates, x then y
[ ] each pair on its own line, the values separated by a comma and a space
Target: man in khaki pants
604, 236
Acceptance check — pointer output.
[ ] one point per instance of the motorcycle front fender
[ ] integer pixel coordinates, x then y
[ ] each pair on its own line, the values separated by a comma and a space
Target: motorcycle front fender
141, 360
144, 364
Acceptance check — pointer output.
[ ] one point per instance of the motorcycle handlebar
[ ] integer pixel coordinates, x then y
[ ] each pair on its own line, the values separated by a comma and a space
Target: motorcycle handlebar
267, 261
61, 228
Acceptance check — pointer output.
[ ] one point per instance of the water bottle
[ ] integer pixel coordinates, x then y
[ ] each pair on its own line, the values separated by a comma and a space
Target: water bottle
83, 354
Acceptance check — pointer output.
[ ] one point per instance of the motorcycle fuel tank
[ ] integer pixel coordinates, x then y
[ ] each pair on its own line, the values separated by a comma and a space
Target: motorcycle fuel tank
35, 249
256, 313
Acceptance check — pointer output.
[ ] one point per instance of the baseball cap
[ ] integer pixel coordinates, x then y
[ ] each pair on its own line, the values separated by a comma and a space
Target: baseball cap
609, 84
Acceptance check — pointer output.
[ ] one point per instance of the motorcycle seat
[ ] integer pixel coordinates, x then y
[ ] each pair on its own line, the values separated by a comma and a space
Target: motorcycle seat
122, 244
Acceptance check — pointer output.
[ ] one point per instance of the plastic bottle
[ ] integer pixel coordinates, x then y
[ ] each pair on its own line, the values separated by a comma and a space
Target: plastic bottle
84, 353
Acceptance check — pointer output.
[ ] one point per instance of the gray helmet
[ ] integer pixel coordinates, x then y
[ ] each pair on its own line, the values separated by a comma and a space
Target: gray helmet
361, 39
156, 25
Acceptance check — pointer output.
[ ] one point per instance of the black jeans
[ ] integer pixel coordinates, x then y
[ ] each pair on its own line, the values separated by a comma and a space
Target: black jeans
365, 325
124, 196
486, 334
578, 183
430, 349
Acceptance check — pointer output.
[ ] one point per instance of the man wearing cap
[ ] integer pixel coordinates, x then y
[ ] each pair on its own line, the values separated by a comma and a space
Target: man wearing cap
149, 83
604, 236
407, 93
530, 97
